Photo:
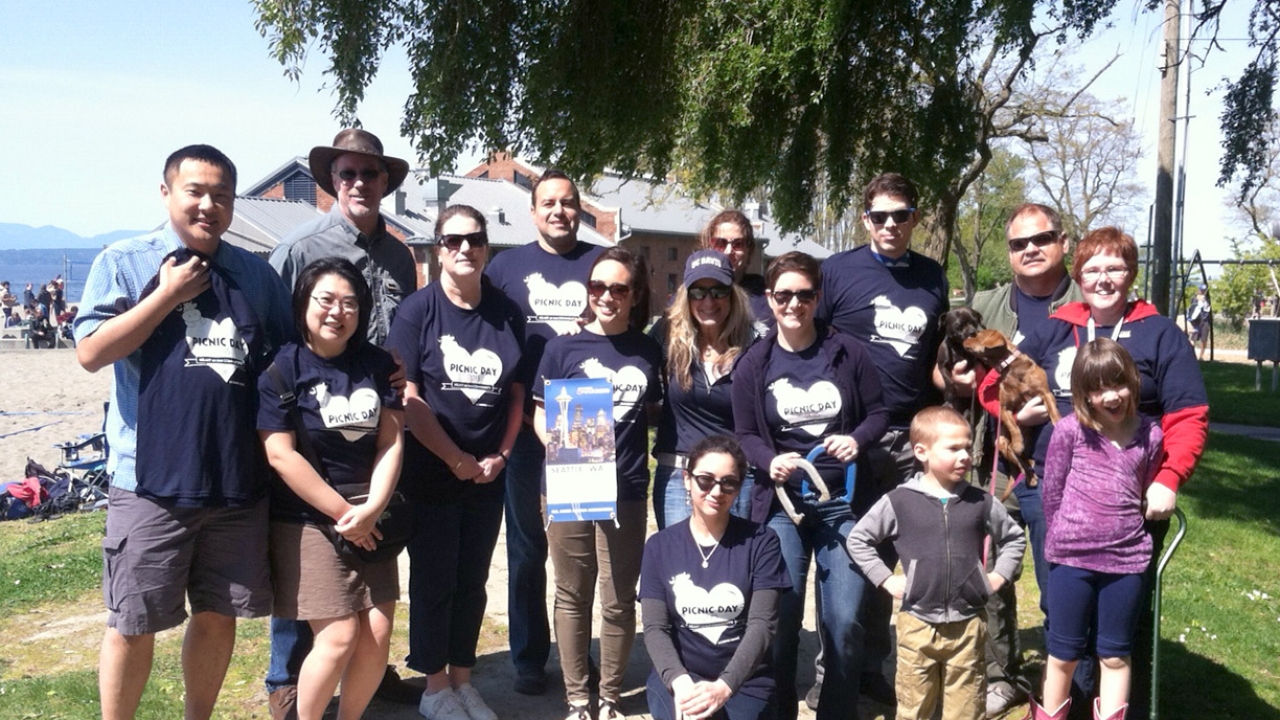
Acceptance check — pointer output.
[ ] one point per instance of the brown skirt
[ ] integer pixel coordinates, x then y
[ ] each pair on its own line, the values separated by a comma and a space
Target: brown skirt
313, 582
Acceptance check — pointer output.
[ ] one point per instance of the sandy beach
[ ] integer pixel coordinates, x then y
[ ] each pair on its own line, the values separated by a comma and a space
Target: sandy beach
47, 399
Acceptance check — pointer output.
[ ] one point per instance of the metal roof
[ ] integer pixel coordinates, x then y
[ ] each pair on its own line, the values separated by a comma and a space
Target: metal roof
259, 223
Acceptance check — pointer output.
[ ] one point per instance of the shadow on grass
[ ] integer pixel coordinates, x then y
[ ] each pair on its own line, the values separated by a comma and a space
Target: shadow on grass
1238, 479
1193, 686
1232, 398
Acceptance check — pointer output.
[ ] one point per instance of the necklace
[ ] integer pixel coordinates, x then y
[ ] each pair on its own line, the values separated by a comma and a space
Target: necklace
707, 557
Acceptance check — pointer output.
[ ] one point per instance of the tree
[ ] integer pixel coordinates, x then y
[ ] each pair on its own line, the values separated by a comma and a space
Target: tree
1232, 294
730, 95
981, 257
1087, 166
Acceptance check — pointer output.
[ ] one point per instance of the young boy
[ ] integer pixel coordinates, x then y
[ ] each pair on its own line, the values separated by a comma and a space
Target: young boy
938, 525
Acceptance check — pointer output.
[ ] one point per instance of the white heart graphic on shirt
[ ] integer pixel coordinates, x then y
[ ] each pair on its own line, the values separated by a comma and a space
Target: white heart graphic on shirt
708, 613
901, 329
474, 373
1062, 373
215, 345
810, 409
629, 385
556, 305
354, 417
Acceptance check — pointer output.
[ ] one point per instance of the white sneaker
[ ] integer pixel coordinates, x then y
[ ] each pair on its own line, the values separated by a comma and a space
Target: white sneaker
469, 698
442, 705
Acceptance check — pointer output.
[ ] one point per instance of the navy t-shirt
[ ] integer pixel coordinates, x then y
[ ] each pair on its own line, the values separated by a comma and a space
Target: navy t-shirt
1033, 313
708, 607
802, 406
895, 312
762, 319
632, 361
704, 409
340, 400
463, 362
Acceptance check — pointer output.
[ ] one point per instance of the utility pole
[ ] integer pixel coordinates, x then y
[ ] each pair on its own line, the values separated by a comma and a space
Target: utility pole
1162, 226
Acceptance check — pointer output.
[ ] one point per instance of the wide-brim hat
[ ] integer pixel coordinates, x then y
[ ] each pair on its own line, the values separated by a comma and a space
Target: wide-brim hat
361, 142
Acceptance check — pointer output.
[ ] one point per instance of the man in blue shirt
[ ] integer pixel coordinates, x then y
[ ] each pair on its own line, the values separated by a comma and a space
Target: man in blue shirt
182, 313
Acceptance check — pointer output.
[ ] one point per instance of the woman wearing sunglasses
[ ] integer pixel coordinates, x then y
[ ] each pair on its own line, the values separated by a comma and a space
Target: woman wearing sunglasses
729, 232
709, 589
461, 341
704, 333
612, 346
350, 604
805, 386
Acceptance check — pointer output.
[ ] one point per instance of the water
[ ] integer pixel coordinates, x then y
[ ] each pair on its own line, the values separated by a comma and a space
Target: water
38, 267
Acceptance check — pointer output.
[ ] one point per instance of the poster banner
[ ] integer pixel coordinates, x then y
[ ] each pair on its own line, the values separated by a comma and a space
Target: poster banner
582, 478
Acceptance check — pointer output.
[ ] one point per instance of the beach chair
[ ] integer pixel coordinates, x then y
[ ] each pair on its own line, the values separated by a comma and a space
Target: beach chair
84, 459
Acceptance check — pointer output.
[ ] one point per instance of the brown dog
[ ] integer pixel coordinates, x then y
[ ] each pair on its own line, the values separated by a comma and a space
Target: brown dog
1021, 379
956, 326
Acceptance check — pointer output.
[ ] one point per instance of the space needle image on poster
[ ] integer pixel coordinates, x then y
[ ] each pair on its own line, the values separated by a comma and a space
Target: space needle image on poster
581, 474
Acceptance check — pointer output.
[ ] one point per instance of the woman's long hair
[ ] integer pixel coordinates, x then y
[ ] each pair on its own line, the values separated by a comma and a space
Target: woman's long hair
684, 337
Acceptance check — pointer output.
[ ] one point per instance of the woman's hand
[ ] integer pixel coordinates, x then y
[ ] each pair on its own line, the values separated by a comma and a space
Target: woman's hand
699, 700
1160, 502
781, 467
842, 447
1033, 413
491, 465
359, 525
467, 467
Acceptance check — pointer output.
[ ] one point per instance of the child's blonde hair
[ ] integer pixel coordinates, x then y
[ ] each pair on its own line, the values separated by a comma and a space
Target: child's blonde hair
1102, 363
924, 426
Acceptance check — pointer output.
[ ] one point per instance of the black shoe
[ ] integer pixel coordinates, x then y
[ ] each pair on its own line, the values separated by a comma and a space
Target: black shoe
811, 697
876, 688
393, 689
531, 683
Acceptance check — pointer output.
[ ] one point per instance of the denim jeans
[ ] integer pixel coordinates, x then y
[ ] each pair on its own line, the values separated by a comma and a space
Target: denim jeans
662, 704
671, 499
821, 536
290, 642
529, 632
449, 560
1033, 517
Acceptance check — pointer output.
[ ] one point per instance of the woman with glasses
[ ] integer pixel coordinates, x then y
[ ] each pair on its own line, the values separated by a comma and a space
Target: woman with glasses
729, 232
352, 417
461, 341
704, 333
805, 386
709, 589
1171, 390
612, 346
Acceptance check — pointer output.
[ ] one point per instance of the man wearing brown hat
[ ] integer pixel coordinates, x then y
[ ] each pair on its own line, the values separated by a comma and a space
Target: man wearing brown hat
358, 175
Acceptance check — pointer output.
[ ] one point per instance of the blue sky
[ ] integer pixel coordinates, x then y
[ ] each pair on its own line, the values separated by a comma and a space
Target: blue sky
96, 94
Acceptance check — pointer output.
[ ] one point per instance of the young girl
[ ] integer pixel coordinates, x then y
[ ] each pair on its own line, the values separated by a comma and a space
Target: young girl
1099, 464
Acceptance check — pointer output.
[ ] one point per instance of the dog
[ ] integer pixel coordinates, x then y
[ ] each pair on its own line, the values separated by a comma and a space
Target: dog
956, 326
1021, 379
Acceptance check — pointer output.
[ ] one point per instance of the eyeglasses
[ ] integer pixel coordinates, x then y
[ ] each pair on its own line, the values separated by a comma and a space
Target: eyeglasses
1043, 239
728, 484
618, 291
879, 217
716, 292
723, 244
454, 242
783, 297
349, 176
1095, 274
348, 304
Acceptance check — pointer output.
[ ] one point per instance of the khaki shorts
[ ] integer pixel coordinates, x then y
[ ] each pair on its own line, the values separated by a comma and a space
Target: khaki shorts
156, 558
313, 582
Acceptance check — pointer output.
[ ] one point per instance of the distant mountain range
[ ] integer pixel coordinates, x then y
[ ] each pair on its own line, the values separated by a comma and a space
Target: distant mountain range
25, 237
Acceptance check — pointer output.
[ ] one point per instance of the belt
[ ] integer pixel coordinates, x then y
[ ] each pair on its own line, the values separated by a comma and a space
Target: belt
675, 460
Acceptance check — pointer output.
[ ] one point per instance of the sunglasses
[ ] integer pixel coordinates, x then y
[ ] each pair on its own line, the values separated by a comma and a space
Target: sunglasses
717, 292
722, 244
783, 297
454, 242
1043, 239
728, 484
349, 176
880, 217
619, 291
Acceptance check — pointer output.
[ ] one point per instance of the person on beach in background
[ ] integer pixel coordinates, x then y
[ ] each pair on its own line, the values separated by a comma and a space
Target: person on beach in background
185, 321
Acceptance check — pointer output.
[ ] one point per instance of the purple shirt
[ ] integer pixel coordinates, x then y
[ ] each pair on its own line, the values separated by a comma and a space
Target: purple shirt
1093, 492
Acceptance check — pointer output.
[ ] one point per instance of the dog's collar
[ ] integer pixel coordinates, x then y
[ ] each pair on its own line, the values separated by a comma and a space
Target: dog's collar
1004, 364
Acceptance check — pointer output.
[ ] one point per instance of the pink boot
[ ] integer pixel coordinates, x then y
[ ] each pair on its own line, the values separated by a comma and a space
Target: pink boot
1117, 715
1039, 713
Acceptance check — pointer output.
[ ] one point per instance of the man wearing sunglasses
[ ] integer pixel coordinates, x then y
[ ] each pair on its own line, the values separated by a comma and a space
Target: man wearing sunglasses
1041, 284
547, 279
356, 173
889, 297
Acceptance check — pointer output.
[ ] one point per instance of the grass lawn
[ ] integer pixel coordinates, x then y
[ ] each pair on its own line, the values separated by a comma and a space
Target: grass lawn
1232, 398
1220, 639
